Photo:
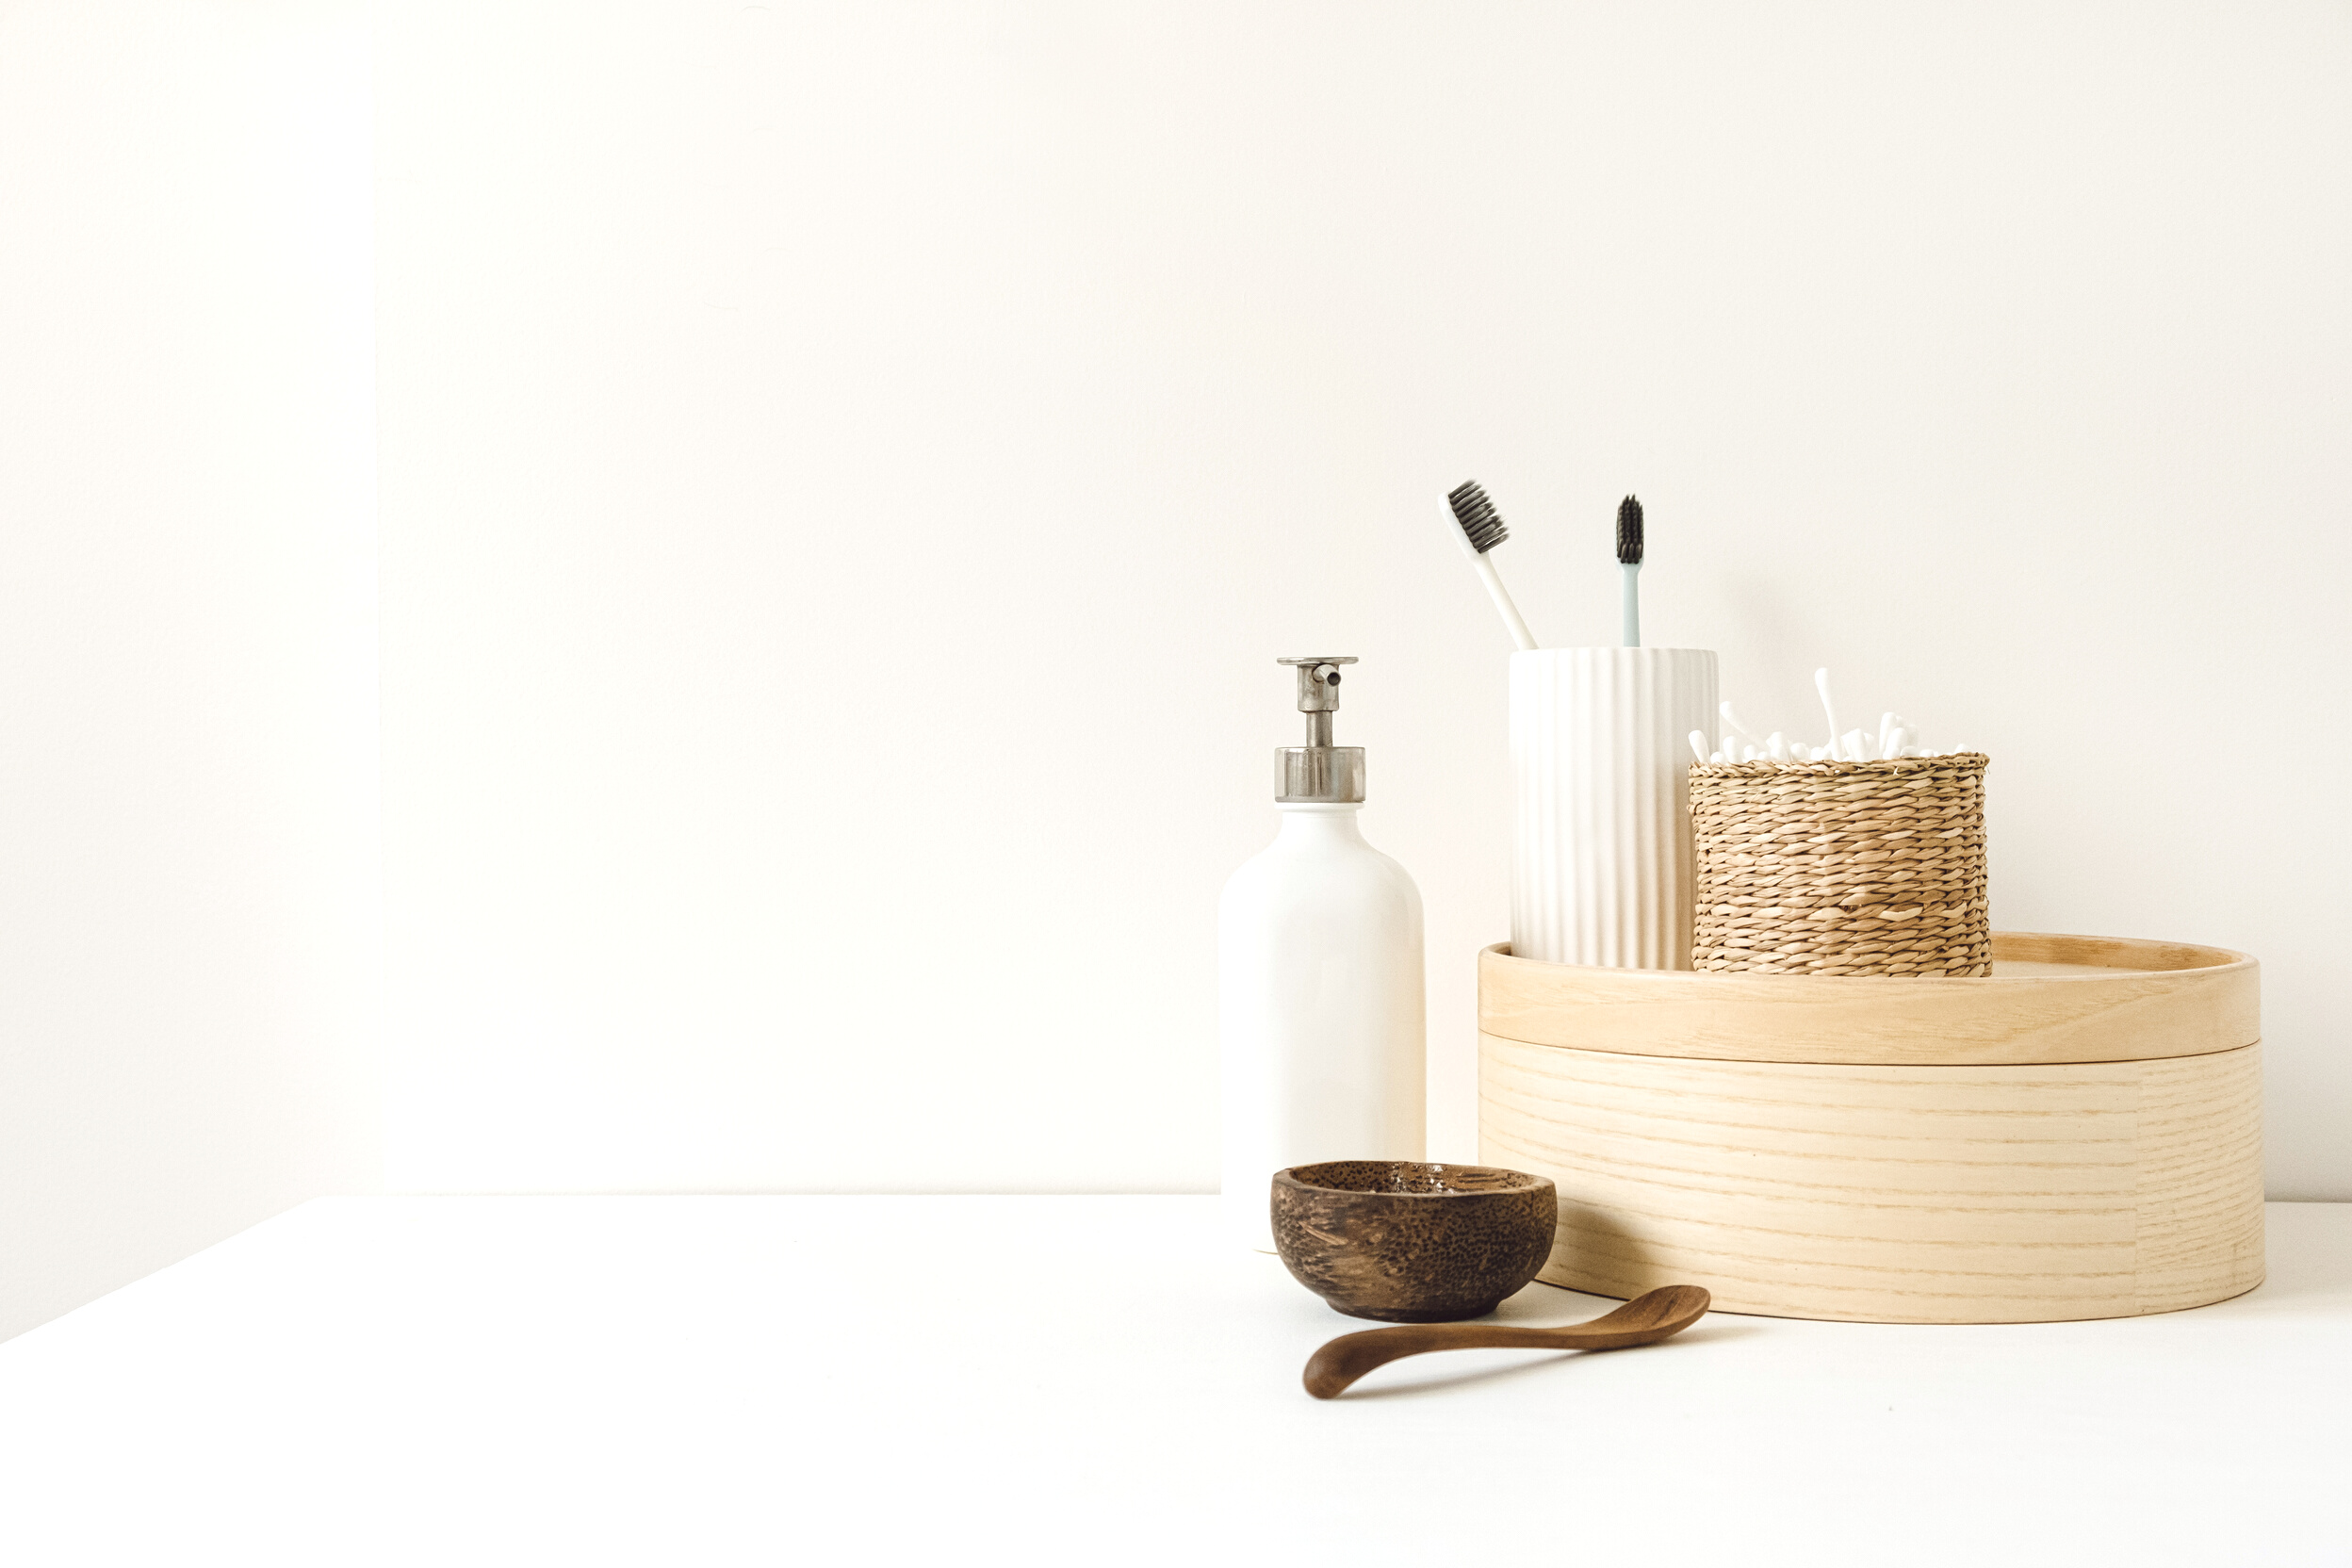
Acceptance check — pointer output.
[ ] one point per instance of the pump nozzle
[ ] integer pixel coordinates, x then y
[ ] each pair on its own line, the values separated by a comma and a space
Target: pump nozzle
1320, 770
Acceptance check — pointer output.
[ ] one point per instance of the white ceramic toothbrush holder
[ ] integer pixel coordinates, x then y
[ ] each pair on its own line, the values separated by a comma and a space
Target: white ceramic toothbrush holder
1600, 746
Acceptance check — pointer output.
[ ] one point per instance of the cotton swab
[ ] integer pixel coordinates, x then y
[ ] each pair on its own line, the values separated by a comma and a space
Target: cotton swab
1698, 745
1820, 684
1897, 737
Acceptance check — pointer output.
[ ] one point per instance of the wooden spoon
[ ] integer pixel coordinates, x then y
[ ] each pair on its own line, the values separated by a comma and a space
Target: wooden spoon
1644, 1321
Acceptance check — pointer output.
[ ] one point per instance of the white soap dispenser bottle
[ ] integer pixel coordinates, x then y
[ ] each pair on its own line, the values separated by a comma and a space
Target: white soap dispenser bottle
1319, 980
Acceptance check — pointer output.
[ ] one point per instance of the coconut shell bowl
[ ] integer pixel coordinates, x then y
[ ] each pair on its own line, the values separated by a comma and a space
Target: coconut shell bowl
1405, 1242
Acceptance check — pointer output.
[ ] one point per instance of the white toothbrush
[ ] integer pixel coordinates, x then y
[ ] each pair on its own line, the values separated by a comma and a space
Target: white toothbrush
1481, 529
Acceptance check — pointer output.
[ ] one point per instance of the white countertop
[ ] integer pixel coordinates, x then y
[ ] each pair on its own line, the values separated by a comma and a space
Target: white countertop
718, 1381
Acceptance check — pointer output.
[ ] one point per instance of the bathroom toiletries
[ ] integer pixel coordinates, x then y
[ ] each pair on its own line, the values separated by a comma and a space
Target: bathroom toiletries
1319, 981
1480, 528
1895, 737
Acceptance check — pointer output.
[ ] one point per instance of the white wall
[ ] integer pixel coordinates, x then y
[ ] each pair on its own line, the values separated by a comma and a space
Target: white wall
848, 471
187, 714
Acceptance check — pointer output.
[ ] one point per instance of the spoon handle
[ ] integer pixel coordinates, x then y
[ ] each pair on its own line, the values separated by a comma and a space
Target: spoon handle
1350, 1356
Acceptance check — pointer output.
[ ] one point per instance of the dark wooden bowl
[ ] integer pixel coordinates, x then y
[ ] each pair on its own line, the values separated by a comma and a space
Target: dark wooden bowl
1411, 1243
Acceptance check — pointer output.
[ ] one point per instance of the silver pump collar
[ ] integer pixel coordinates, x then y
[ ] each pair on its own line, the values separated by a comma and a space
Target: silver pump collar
1318, 772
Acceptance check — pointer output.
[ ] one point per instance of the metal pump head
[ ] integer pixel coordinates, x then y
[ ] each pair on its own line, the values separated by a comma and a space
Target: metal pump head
1319, 771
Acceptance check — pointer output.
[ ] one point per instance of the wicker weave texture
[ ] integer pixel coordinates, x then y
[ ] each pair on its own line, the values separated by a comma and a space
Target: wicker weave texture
1841, 868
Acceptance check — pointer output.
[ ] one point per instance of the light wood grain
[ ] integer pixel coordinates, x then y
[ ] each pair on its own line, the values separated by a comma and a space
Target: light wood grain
2199, 1219
2050, 999
1890, 1193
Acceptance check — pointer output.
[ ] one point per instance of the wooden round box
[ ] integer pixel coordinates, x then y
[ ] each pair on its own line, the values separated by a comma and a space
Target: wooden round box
2078, 1134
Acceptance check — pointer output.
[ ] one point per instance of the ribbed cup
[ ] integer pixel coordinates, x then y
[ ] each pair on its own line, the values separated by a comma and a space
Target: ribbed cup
1600, 746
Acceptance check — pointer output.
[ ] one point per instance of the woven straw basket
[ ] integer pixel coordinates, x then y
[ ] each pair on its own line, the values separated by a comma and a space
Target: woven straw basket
1841, 868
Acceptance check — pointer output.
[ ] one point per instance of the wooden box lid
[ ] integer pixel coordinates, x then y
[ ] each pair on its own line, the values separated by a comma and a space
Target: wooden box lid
2049, 999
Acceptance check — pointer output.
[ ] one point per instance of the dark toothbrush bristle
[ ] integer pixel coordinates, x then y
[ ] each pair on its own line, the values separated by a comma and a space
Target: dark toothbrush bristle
1629, 531
1481, 523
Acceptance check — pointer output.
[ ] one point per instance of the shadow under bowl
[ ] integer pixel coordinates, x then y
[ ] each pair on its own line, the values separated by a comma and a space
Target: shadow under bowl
1408, 1242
